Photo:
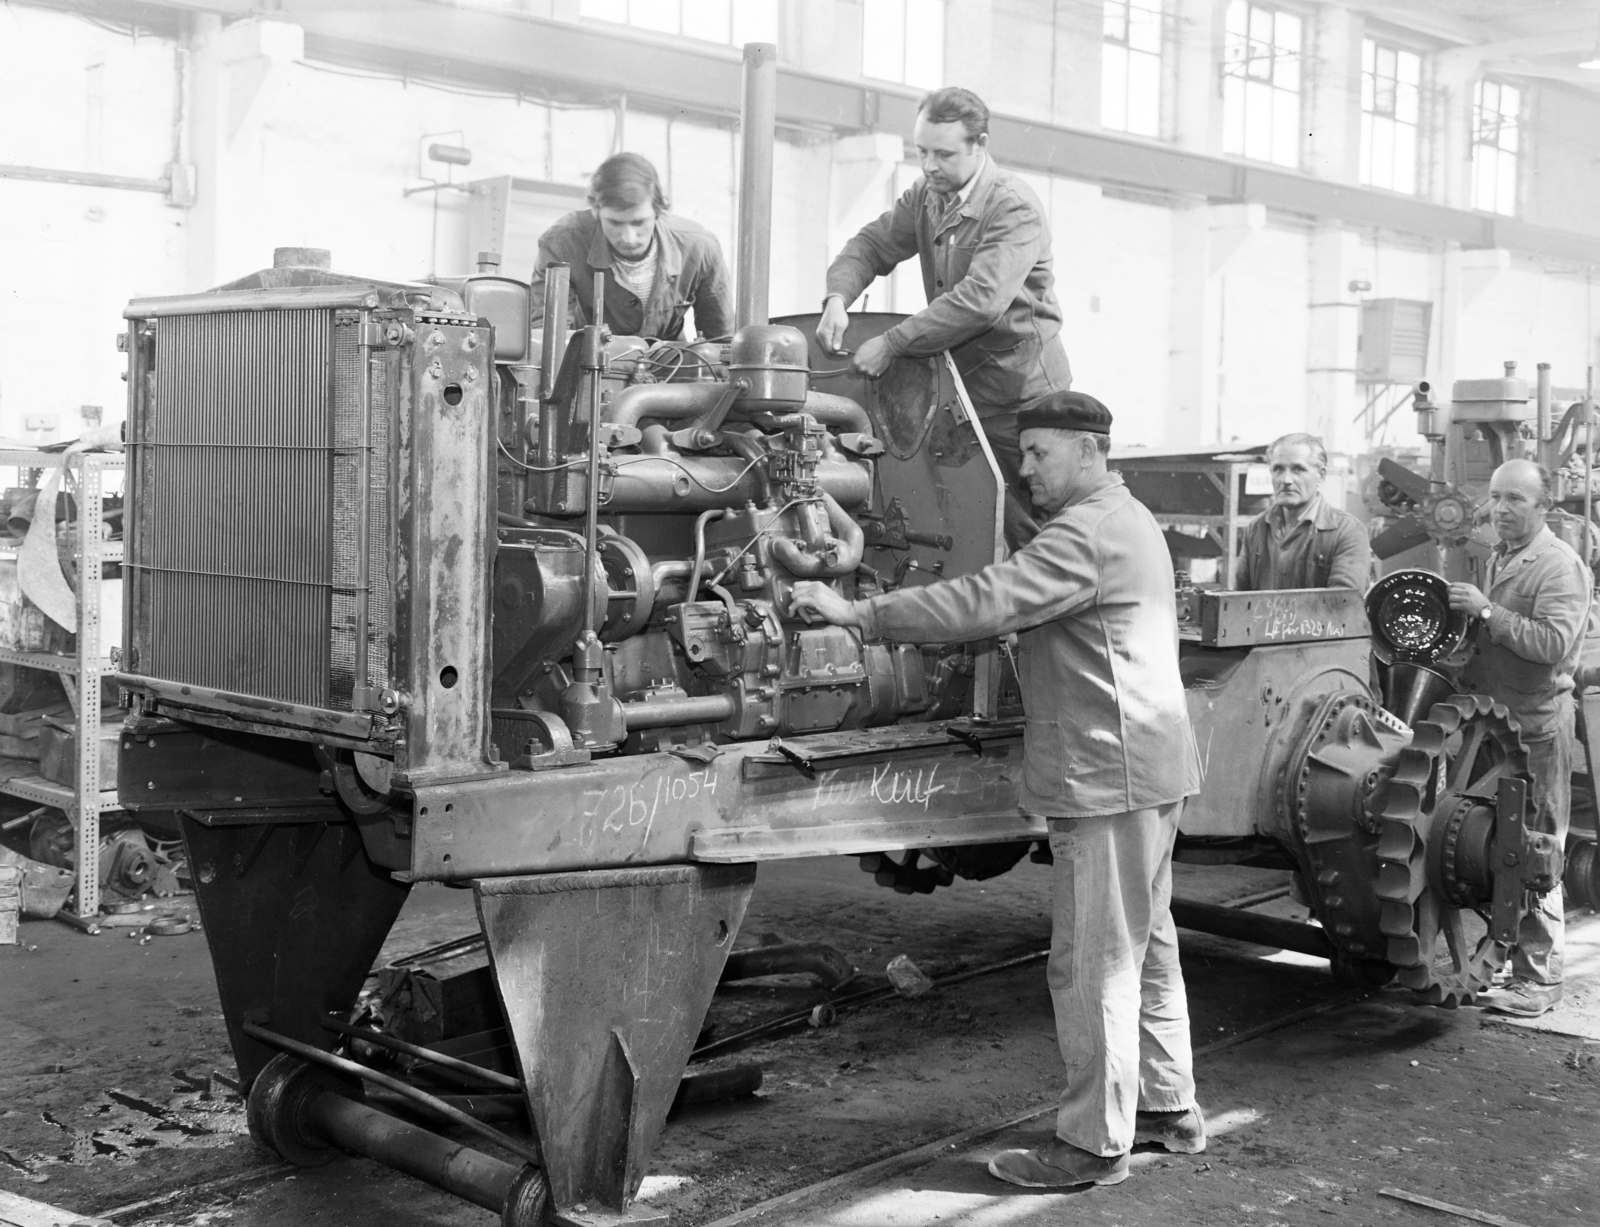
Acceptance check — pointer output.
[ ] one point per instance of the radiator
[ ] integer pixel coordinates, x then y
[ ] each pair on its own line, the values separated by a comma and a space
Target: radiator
299, 473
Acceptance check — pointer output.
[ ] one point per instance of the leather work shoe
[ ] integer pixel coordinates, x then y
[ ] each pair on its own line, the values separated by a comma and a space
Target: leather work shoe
1182, 1133
1525, 998
1060, 1165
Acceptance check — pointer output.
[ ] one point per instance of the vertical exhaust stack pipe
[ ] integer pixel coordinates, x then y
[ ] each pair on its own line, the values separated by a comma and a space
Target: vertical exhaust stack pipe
1542, 422
758, 114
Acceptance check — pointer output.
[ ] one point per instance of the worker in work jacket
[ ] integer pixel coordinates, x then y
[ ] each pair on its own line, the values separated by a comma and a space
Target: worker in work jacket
1108, 757
656, 265
1302, 541
1530, 626
983, 241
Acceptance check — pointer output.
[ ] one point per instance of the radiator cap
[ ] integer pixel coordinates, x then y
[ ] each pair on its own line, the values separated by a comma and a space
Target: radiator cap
302, 257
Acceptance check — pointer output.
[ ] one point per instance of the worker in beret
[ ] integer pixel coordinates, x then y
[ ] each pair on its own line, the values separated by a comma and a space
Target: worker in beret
983, 240
1302, 540
1108, 758
657, 265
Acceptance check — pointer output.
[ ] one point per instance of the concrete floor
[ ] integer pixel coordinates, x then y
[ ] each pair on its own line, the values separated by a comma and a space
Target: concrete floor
107, 1104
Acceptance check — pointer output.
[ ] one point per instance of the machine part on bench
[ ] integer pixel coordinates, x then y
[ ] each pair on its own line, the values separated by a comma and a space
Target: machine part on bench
605, 977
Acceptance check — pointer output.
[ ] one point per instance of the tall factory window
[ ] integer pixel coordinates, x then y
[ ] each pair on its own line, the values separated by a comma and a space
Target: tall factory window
1496, 142
717, 21
1130, 67
903, 41
1391, 82
1261, 83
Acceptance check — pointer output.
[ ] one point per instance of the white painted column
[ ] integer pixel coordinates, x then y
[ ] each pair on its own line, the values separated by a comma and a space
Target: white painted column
234, 73
1333, 398
861, 184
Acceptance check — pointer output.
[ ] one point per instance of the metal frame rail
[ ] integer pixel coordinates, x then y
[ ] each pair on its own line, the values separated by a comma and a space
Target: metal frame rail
86, 667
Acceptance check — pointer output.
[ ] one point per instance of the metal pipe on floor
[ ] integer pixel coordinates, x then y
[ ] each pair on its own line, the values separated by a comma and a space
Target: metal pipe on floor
359, 1130
831, 968
1246, 926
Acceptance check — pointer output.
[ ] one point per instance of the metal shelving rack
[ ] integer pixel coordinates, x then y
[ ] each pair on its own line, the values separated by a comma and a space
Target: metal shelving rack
20, 777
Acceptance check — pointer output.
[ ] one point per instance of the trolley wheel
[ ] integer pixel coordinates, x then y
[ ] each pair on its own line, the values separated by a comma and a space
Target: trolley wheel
528, 1201
275, 1109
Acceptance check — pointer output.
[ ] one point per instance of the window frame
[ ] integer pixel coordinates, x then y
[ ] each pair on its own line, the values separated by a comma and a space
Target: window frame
1520, 128
1252, 83
1124, 45
923, 81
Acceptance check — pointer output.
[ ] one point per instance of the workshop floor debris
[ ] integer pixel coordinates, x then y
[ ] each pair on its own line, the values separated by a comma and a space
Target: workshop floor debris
114, 1099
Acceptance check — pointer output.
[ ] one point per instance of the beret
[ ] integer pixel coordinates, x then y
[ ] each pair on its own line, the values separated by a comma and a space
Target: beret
1066, 411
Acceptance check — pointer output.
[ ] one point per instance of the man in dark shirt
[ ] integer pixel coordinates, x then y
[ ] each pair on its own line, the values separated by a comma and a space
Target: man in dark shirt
657, 266
1301, 541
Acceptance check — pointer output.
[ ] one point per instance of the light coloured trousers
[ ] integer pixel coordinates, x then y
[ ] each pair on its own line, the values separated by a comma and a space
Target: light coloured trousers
1122, 1017
1542, 933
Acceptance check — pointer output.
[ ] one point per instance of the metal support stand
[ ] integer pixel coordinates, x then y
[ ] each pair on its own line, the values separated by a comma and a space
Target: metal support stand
605, 978
295, 914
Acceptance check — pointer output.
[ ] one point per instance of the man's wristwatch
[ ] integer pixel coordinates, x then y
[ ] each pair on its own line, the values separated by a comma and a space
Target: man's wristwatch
1485, 612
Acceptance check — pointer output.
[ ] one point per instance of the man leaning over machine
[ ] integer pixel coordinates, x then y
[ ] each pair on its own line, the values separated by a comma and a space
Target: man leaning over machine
1108, 758
1529, 637
657, 265
984, 244
1301, 540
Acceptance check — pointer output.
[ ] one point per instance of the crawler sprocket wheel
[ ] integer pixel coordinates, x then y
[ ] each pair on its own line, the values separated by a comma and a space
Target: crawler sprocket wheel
1435, 874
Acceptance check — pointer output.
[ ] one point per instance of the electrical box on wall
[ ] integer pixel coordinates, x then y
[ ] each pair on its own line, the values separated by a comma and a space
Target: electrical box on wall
1393, 345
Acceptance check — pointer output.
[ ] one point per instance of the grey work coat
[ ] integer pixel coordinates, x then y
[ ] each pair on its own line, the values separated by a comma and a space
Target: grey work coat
986, 271
690, 272
1107, 724
1527, 652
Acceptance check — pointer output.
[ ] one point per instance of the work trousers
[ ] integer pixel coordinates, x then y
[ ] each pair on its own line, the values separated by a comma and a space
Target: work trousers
1122, 1017
1542, 933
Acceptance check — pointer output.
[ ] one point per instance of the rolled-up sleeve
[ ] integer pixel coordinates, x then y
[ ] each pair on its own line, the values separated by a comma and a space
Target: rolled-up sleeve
1055, 574
1012, 244
876, 250
1560, 613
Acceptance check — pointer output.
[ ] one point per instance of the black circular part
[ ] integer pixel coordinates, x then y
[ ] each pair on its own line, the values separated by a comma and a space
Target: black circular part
448, 677
452, 394
1410, 615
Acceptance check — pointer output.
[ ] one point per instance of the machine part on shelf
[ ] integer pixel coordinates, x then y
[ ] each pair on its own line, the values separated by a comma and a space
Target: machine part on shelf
605, 976
308, 1115
832, 970
44, 887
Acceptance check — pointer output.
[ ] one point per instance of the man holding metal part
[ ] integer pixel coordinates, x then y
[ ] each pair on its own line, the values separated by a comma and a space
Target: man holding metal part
984, 243
1108, 758
1301, 541
1529, 636
657, 265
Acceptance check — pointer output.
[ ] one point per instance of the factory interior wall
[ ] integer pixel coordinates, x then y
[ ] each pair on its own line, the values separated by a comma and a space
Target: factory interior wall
292, 153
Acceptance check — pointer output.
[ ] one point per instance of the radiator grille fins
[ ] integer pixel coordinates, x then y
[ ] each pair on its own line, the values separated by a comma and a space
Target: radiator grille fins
247, 479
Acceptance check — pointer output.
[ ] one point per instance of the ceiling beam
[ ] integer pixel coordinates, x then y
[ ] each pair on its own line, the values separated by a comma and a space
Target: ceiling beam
495, 49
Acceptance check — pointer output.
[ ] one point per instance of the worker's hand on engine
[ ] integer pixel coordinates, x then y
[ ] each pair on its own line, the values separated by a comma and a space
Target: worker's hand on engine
830, 328
1467, 599
872, 359
814, 601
